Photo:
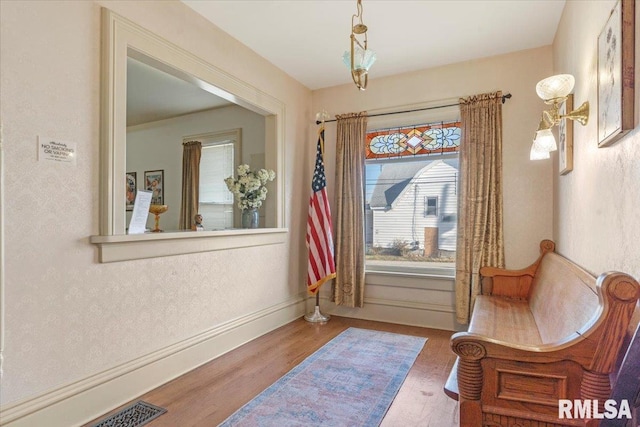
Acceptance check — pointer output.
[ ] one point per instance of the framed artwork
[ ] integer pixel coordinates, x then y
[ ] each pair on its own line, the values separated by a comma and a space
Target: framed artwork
565, 138
616, 74
130, 189
154, 182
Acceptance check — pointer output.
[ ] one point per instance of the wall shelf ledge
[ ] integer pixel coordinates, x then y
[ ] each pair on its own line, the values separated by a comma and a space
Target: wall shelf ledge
151, 245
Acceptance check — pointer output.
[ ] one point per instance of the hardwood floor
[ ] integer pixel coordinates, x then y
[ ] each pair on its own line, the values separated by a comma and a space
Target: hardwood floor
207, 395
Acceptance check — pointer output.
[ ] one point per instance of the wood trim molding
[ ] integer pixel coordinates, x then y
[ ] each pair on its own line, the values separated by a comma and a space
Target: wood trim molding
151, 245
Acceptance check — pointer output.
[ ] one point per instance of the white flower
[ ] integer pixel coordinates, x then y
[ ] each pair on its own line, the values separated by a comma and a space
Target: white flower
249, 187
263, 175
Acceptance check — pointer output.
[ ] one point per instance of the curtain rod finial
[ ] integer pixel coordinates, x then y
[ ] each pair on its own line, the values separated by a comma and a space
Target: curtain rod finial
322, 116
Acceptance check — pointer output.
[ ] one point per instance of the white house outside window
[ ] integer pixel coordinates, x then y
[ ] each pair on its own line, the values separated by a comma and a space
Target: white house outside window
411, 198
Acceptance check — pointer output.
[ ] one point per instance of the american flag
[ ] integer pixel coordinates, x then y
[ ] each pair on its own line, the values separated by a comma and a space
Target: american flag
321, 266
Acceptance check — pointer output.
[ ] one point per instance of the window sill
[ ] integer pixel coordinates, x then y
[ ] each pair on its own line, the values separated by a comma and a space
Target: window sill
152, 245
446, 273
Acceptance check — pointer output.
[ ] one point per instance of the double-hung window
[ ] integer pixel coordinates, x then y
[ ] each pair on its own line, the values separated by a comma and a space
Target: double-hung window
430, 206
218, 160
411, 198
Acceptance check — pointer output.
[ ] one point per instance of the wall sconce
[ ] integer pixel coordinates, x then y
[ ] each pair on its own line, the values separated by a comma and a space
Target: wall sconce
359, 59
554, 91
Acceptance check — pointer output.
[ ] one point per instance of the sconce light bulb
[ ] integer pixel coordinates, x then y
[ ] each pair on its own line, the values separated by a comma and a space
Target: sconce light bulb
545, 141
537, 154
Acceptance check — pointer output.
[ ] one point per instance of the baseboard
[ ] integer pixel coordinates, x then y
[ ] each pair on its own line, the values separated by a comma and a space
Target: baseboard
427, 315
78, 403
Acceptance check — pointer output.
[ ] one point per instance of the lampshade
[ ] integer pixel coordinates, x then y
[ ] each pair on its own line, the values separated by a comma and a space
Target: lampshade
557, 86
537, 154
363, 59
545, 141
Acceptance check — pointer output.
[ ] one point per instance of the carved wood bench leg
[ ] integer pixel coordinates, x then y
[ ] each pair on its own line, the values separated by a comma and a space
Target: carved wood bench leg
595, 386
470, 385
470, 382
470, 413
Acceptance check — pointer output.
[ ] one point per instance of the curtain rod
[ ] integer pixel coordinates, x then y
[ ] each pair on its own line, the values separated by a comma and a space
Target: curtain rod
504, 99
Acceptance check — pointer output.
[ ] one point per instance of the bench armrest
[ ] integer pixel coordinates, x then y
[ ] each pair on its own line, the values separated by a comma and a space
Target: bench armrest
512, 283
468, 345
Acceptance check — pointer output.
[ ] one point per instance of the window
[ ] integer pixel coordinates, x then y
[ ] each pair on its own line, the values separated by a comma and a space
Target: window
411, 196
430, 206
217, 163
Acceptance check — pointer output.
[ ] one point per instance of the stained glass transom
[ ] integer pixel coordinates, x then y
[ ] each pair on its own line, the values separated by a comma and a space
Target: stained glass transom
433, 138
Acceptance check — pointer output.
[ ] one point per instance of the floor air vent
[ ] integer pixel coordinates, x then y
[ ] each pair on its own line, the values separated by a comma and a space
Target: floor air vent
135, 415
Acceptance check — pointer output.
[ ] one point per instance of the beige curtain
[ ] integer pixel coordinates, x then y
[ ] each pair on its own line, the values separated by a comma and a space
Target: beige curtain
191, 153
348, 288
480, 232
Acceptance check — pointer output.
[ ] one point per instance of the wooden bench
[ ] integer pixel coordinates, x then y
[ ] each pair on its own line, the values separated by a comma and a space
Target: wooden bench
550, 331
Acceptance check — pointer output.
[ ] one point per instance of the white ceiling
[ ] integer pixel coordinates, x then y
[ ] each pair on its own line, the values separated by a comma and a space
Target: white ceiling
306, 38
154, 95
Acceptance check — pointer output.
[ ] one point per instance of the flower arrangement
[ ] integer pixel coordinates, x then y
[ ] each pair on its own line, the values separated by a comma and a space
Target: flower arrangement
249, 188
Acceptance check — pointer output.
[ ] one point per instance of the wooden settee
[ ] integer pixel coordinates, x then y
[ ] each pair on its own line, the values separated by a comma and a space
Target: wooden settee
550, 331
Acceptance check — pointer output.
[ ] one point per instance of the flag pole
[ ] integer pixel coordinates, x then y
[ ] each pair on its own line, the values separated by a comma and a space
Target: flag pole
317, 316
326, 270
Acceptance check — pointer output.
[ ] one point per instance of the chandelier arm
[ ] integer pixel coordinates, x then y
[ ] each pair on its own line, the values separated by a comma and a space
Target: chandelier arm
551, 117
353, 40
358, 80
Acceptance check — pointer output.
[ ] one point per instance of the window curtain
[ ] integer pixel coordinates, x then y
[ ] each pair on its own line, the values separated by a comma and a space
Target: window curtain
348, 288
191, 154
480, 238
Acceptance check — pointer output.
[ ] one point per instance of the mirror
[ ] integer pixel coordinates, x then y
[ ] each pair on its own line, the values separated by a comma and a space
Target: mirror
163, 112
126, 45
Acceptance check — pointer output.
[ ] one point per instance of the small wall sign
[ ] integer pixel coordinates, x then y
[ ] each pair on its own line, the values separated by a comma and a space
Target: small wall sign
57, 151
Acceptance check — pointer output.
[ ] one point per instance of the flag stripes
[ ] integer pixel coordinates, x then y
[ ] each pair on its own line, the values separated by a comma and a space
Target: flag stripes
321, 267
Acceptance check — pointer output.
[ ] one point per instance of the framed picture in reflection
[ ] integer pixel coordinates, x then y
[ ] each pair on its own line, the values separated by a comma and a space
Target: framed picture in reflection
154, 182
131, 187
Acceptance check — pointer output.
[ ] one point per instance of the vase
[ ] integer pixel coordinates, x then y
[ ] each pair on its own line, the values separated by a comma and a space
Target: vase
157, 210
250, 218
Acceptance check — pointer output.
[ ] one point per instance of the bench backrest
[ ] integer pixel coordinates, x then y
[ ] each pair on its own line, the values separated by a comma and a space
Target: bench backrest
562, 298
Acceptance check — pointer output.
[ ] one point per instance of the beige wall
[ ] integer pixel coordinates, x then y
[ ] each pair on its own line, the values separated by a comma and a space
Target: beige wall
596, 219
67, 316
527, 185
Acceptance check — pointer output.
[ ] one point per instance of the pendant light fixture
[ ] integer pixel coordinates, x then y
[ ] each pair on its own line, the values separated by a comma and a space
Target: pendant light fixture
359, 58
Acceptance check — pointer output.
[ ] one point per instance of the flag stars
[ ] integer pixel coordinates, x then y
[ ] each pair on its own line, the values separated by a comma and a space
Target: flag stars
319, 180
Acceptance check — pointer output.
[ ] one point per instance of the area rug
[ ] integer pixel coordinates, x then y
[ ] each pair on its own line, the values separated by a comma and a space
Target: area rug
350, 381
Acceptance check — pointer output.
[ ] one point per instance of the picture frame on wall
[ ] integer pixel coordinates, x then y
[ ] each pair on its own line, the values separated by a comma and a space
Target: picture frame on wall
154, 182
131, 187
616, 74
565, 138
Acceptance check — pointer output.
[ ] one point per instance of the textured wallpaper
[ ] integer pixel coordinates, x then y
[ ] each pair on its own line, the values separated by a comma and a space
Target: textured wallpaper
67, 316
596, 206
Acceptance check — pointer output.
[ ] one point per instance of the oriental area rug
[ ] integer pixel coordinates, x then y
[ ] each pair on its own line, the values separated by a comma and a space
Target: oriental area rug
350, 381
